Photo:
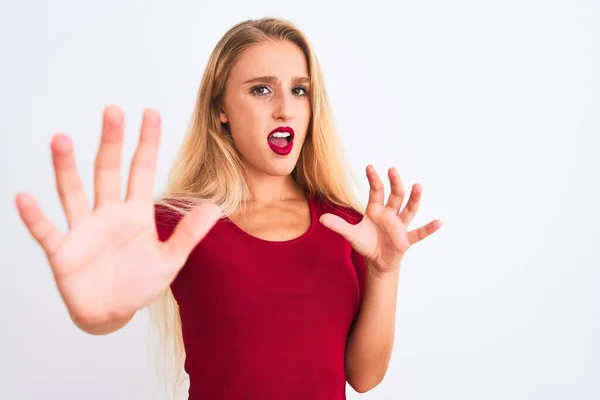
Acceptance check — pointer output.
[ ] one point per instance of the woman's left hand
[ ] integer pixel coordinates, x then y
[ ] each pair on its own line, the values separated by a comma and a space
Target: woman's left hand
382, 236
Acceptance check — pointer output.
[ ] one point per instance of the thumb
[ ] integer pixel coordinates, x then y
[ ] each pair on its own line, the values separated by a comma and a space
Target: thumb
191, 229
339, 225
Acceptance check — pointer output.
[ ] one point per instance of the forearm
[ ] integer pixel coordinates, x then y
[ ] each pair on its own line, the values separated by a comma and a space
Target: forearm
370, 343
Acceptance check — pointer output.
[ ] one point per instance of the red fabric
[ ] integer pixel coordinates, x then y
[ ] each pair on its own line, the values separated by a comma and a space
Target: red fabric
268, 320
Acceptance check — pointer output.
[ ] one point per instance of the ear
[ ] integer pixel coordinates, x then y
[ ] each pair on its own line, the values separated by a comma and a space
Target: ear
223, 117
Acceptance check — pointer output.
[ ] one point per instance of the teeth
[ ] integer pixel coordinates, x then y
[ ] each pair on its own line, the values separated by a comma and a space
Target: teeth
280, 134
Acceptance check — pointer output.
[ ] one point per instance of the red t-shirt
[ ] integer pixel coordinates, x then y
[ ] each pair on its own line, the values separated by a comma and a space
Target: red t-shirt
266, 320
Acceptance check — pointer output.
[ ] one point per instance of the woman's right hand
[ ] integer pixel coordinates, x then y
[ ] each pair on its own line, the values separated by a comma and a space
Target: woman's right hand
112, 263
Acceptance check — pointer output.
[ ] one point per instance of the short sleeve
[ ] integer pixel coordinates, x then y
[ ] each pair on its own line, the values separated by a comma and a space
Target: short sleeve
166, 221
354, 217
359, 262
360, 266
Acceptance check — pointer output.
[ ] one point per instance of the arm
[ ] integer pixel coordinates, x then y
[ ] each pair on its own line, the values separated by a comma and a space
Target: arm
382, 236
370, 343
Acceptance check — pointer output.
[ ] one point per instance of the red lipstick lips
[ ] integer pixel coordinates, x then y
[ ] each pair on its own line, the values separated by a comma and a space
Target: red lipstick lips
281, 140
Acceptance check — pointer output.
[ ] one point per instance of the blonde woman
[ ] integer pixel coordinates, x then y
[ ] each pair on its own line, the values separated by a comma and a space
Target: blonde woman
269, 279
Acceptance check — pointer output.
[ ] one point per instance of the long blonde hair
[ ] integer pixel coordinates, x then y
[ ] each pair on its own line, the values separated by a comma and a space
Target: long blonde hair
208, 167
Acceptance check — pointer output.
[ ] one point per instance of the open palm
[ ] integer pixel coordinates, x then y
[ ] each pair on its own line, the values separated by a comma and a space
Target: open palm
111, 263
383, 236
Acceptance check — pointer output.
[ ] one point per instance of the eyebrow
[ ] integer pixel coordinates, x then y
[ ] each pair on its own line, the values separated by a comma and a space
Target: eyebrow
272, 78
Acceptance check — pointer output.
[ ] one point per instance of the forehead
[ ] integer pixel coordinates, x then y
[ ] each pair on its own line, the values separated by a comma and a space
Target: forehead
282, 59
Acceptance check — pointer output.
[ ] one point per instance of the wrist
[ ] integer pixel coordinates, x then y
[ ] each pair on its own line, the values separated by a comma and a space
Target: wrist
378, 272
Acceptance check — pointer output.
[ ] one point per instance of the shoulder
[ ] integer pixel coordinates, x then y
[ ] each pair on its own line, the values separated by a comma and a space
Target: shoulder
348, 213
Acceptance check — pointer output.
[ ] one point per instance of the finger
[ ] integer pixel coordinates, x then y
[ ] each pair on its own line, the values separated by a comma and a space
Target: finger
421, 233
107, 174
68, 183
376, 187
190, 230
340, 225
143, 165
397, 191
412, 206
39, 226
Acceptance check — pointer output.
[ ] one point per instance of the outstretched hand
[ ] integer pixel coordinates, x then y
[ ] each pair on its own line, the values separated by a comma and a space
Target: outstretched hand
112, 262
383, 236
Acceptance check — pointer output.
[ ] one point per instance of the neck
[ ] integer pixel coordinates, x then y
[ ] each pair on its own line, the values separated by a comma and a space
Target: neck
267, 189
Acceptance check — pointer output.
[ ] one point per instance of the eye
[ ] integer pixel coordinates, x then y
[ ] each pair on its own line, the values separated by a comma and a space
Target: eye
303, 89
256, 90
263, 90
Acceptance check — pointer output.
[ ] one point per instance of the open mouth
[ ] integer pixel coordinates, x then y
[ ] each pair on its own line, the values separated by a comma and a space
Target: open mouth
281, 140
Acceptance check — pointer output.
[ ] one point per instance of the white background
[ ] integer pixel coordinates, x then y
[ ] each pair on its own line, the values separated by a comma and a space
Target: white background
493, 106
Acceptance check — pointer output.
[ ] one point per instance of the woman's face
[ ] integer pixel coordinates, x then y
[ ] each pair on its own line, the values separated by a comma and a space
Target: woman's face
268, 91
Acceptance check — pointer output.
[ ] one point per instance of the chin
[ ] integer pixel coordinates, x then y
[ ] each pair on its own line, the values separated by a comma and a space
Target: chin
280, 168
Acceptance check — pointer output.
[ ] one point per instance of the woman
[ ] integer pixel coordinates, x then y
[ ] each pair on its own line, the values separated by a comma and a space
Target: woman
260, 263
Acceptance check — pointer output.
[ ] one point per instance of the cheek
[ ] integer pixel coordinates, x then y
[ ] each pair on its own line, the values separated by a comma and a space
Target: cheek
242, 113
249, 122
306, 110
304, 114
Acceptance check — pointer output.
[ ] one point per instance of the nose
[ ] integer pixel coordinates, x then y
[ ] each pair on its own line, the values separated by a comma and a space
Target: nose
283, 109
